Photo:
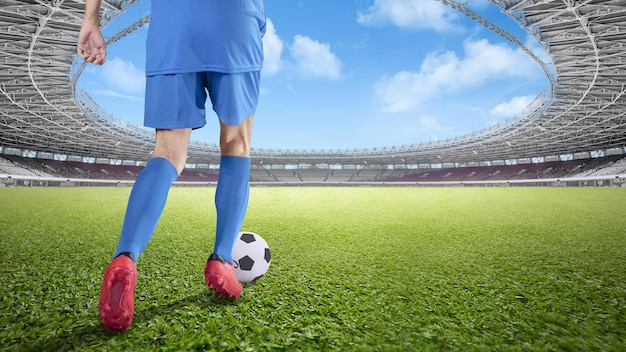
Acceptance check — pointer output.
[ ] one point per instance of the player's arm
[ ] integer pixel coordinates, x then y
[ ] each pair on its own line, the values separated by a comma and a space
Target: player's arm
91, 46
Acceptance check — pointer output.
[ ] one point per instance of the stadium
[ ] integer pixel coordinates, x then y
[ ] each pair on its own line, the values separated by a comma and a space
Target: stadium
52, 133
52, 128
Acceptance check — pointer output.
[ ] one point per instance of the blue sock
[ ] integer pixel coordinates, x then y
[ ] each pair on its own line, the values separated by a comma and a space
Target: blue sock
145, 205
231, 202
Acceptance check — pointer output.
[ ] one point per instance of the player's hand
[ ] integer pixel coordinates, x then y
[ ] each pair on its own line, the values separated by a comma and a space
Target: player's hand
91, 46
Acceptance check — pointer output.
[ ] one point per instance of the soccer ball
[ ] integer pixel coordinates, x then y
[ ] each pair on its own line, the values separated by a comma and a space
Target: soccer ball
251, 256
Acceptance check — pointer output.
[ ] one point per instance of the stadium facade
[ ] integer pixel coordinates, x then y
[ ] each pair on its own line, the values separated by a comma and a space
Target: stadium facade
582, 115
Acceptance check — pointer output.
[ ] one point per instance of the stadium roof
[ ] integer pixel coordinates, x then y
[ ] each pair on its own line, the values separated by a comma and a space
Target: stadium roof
41, 110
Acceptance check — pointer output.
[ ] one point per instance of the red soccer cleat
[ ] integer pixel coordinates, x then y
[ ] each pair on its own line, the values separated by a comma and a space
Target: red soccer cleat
117, 298
220, 276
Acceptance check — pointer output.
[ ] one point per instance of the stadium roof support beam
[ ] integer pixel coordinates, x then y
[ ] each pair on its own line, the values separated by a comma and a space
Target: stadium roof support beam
41, 109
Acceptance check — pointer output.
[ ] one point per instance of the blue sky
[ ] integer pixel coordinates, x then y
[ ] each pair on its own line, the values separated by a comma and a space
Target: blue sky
344, 74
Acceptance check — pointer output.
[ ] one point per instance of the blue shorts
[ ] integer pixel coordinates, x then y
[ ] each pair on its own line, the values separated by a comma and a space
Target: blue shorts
177, 101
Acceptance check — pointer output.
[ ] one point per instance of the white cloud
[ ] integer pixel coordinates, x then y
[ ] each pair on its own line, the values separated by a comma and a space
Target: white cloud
314, 59
430, 123
308, 57
272, 50
483, 61
403, 92
412, 14
123, 76
403, 129
512, 107
442, 73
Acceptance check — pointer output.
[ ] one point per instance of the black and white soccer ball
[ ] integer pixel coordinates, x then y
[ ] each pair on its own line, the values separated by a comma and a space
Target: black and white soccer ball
251, 256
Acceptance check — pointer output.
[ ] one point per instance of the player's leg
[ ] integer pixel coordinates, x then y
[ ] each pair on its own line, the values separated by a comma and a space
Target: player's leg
167, 96
231, 202
231, 195
145, 205
149, 193
234, 99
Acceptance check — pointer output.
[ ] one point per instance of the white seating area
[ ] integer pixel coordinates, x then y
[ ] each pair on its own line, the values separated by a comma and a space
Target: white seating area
284, 175
341, 175
10, 168
261, 175
616, 168
314, 175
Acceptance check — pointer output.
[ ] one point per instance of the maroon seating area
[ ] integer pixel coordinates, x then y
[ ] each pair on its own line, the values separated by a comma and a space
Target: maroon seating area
556, 169
74, 169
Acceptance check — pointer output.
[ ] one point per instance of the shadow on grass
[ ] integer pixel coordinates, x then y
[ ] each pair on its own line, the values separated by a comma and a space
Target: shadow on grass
203, 299
96, 336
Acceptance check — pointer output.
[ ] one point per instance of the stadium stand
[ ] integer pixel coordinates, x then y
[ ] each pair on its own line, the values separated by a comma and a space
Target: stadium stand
72, 169
261, 175
616, 167
547, 170
341, 175
607, 166
576, 128
10, 168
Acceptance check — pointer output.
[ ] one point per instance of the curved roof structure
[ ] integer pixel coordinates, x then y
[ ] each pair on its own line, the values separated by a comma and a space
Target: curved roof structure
584, 110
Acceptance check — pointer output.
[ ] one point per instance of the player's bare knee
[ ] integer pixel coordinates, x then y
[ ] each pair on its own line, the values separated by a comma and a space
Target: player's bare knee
235, 140
179, 162
173, 145
235, 147
176, 155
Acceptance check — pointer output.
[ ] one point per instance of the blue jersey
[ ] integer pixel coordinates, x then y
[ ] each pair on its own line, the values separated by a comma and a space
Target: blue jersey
205, 35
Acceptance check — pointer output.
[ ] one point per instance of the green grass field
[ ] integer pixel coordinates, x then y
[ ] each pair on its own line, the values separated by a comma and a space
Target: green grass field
353, 269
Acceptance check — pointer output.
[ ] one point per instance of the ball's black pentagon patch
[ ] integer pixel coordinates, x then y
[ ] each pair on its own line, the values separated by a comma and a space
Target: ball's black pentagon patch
246, 263
247, 237
268, 255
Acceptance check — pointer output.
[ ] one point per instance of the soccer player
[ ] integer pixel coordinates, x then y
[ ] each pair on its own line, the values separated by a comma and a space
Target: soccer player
195, 49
